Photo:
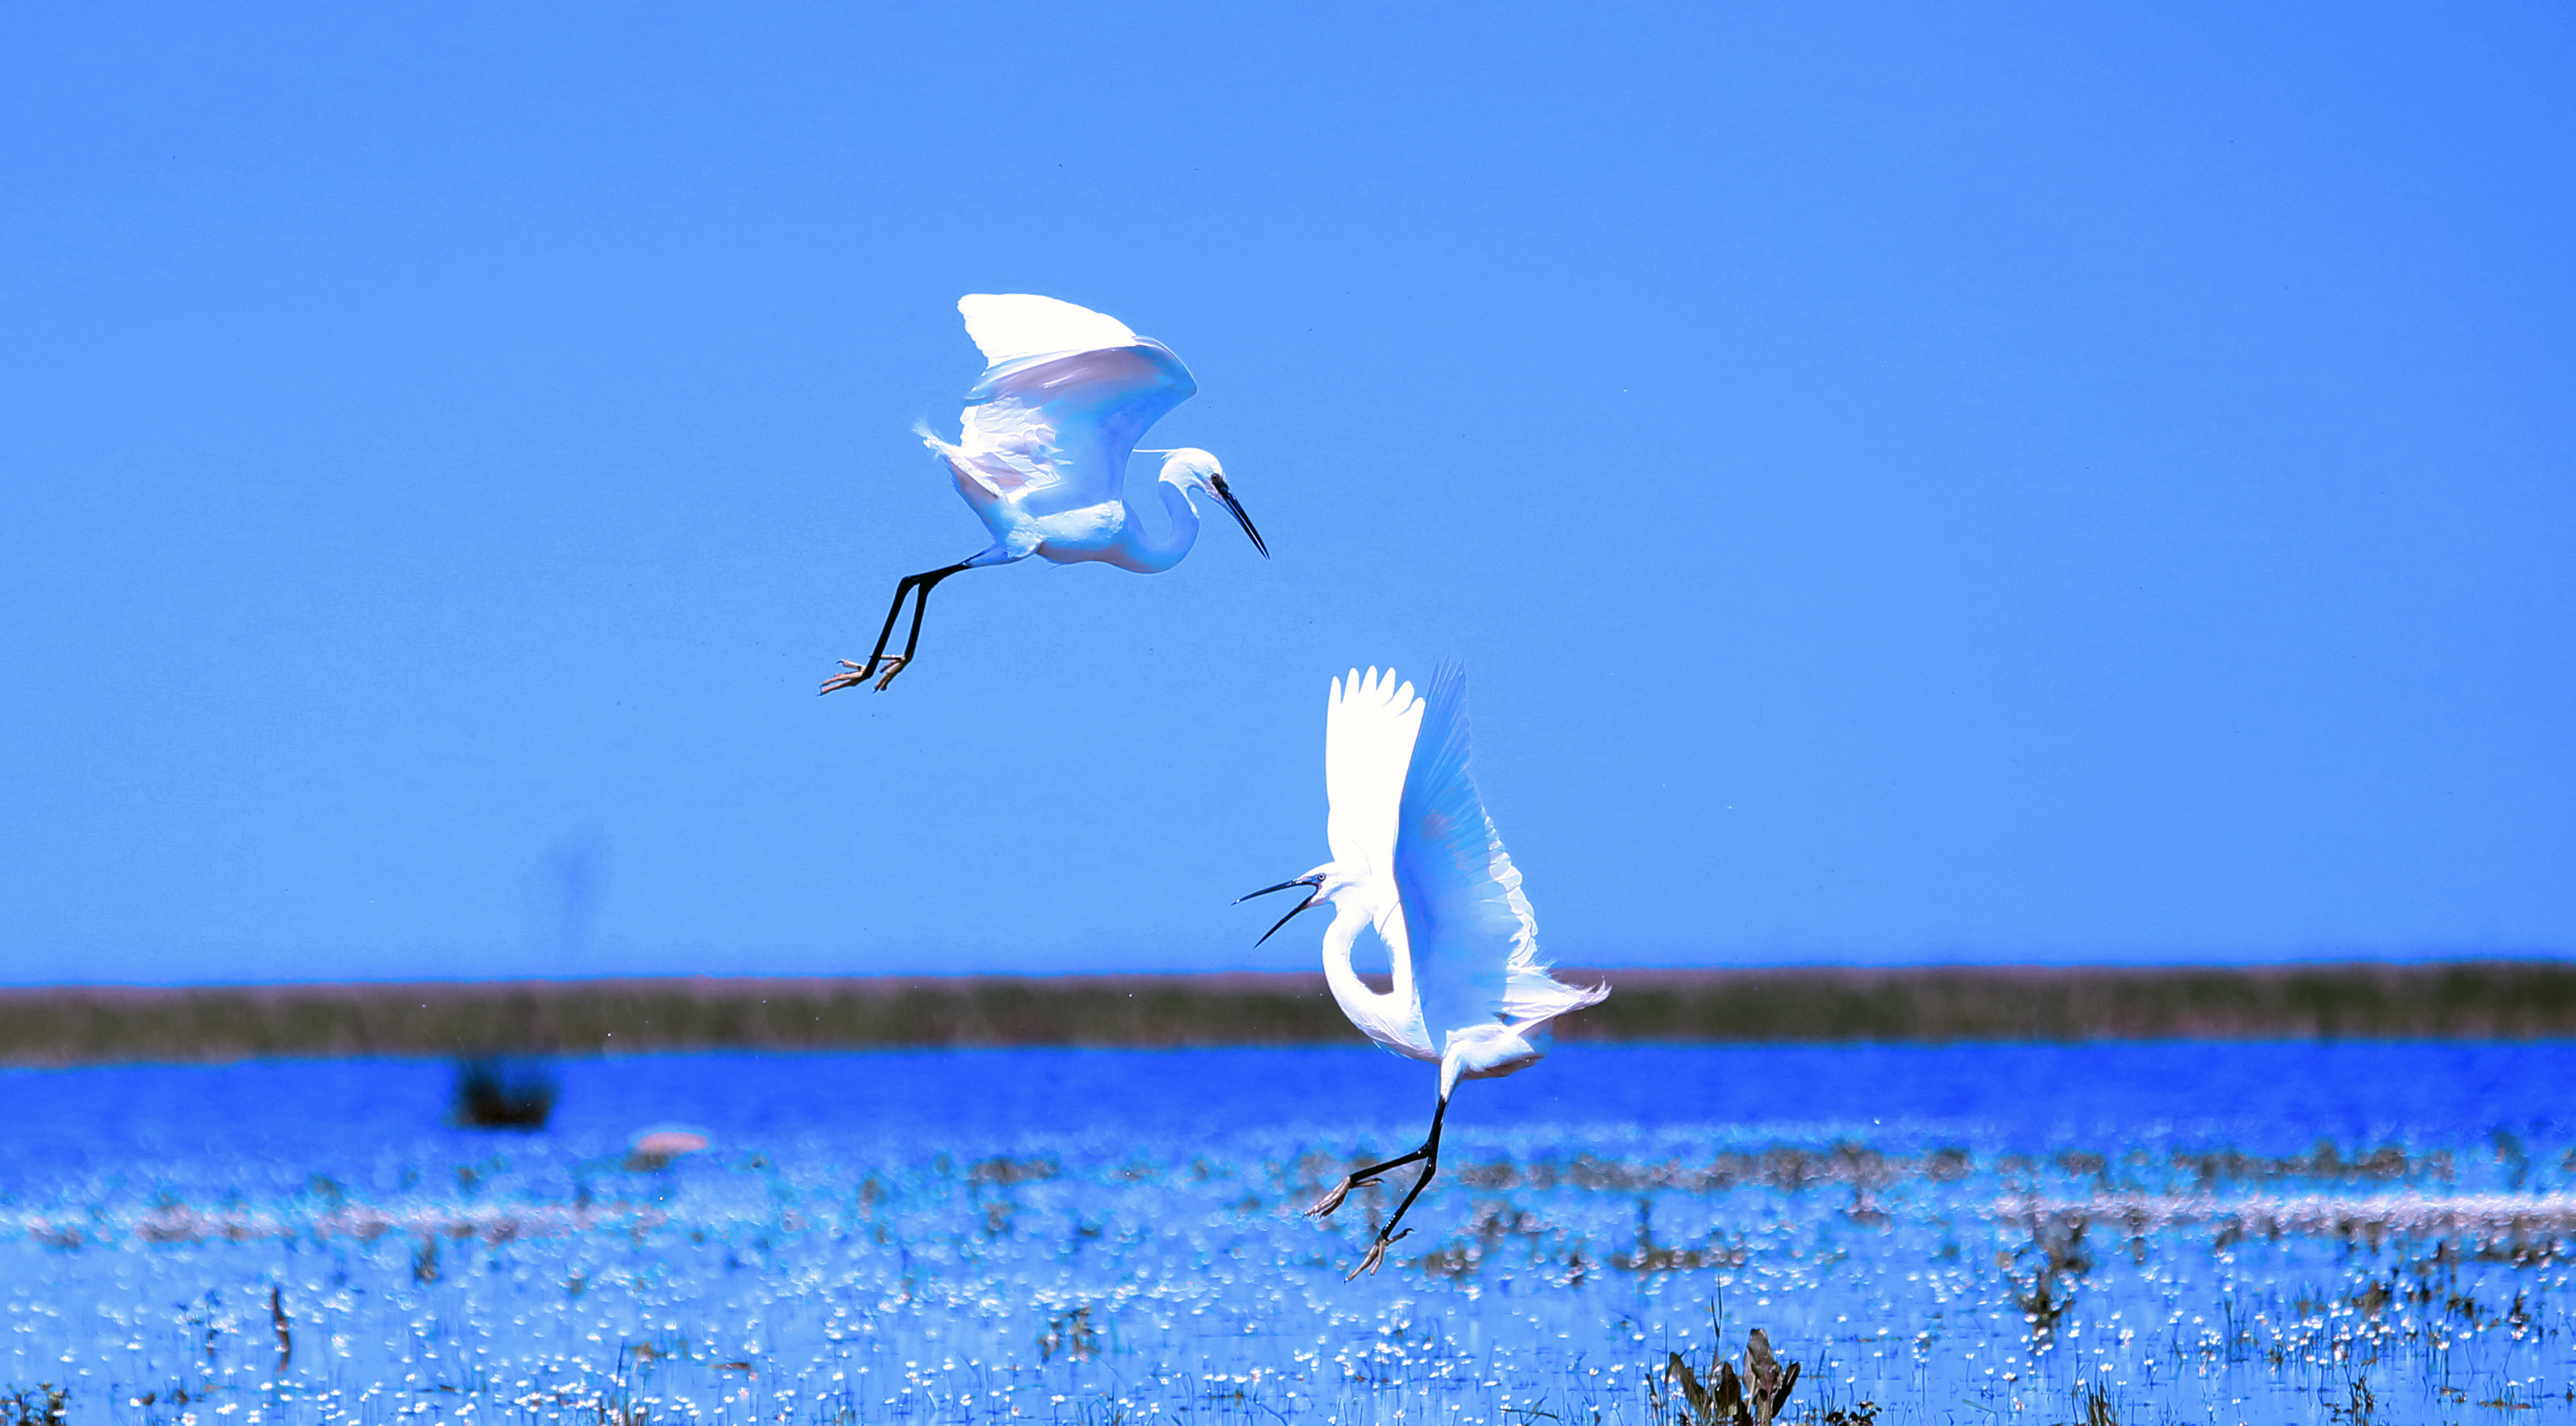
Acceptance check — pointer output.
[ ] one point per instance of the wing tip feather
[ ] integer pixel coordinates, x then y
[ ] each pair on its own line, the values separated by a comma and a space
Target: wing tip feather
1007, 326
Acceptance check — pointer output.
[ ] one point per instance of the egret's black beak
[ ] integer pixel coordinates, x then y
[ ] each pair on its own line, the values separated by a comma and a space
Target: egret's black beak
1217, 483
1308, 882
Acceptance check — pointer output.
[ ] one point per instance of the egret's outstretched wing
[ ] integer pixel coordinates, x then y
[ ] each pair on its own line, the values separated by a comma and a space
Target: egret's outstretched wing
1368, 737
1068, 394
1015, 326
1473, 939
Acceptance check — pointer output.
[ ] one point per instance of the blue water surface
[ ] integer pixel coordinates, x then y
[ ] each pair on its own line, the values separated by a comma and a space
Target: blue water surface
2223, 1233
2259, 1097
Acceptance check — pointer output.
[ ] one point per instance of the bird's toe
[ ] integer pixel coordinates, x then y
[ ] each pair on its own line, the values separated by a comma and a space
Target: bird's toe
893, 666
1369, 1264
850, 676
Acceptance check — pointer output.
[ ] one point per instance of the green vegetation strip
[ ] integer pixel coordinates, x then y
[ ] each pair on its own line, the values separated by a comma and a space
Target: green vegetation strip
92, 1025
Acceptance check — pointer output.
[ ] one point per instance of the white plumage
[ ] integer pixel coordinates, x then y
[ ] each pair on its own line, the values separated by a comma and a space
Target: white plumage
1012, 326
1416, 857
1042, 451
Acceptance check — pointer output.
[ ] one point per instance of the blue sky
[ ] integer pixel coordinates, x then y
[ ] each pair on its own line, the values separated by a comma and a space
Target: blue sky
1989, 483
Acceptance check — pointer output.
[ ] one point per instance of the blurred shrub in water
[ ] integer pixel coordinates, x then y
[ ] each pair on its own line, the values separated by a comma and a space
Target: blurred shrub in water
503, 1092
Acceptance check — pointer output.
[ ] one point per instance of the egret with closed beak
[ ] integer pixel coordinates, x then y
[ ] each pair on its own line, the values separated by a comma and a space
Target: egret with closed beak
1065, 396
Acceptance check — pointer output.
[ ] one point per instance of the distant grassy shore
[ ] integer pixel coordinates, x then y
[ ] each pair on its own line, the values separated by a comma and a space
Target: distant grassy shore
93, 1025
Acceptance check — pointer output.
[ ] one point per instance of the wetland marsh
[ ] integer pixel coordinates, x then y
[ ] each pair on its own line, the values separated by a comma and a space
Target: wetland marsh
2143, 1233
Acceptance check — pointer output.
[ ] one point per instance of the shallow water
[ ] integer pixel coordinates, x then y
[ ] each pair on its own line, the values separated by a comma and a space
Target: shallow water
2271, 1232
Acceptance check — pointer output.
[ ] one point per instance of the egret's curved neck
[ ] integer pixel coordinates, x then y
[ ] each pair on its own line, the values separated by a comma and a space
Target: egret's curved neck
1391, 1018
1144, 551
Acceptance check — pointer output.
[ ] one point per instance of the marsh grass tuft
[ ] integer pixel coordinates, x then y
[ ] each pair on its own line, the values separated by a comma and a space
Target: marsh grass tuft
1003, 1170
2360, 1407
2043, 1276
284, 1327
1650, 1256
43, 1404
1070, 1336
1729, 1398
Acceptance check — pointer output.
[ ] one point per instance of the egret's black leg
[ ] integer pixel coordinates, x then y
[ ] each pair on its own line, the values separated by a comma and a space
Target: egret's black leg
913, 586
1429, 1153
1356, 1178
852, 674
902, 591
920, 606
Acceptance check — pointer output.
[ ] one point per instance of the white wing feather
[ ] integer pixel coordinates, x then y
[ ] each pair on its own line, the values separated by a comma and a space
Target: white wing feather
1059, 410
1469, 928
1013, 326
1368, 738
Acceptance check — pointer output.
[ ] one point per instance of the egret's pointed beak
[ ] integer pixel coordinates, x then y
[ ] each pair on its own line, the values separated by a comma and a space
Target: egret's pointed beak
1217, 483
1311, 902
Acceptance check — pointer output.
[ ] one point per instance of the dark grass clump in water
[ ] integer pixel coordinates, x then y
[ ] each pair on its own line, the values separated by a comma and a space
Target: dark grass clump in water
1752, 1398
2465, 1000
503, 1092
43, 1405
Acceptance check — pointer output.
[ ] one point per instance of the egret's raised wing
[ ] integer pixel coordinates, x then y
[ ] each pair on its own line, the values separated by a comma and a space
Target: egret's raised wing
1368, 737
1052, 427
1014, 326
1469, 928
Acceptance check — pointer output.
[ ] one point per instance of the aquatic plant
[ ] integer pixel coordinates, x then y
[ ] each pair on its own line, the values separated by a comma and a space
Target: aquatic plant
42, 1405
1751, 1398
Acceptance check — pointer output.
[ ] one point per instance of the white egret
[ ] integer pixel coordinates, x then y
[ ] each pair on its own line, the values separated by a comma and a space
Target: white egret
1043, 455
1416, 858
